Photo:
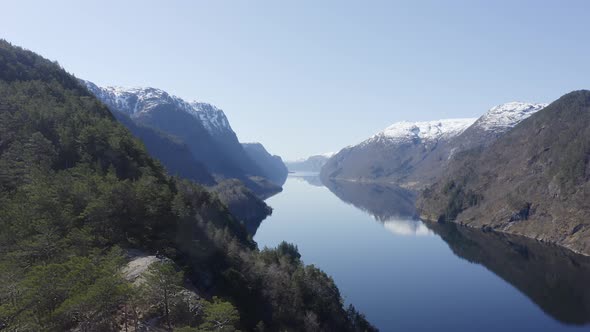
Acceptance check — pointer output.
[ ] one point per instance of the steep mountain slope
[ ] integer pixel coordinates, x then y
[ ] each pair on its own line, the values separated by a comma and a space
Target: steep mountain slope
533, 181
391, 155
178, 158
310, 164
272, 165
489, 127
76, 186
174, 155
202, 127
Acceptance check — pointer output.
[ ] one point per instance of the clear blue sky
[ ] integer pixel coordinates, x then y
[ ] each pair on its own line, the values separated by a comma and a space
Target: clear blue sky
306, 77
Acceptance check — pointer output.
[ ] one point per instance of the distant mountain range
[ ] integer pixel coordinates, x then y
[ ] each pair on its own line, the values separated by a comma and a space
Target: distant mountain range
413, 154
310, 164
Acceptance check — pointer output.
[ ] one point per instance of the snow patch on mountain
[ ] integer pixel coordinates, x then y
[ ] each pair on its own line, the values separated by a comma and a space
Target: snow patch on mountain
428, 131
328, 154
212, 117
503, 117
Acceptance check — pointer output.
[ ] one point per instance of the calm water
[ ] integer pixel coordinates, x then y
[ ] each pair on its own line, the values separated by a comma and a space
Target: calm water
409, 276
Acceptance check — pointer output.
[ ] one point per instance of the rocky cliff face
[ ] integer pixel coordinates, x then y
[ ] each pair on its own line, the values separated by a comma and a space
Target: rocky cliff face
272, 165
532, 181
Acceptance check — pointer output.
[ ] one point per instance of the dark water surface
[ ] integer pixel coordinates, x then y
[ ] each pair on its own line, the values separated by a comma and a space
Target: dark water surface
406, 275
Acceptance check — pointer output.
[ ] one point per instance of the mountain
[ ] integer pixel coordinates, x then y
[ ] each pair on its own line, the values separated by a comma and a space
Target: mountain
272, 165
532, 181
489, 127
392, 154
172, 153
78, 192
177, 157
203, 128
310, 164
413, 155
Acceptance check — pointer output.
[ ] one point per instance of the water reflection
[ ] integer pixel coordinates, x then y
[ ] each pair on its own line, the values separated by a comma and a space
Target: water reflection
311, 178
383, 202
456, 279
393, 206
407, 227
556, 279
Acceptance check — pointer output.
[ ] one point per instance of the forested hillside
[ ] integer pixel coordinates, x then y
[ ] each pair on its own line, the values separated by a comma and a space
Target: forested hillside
77, 192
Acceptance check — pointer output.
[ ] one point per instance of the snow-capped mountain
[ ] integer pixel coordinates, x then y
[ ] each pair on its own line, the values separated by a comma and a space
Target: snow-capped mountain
202, 127
413, 154
425, 132
213, 119
494, 123
136, 101
392, 154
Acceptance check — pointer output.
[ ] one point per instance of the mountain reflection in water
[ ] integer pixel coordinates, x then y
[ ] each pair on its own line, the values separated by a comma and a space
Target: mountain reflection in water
408, 275
556, 279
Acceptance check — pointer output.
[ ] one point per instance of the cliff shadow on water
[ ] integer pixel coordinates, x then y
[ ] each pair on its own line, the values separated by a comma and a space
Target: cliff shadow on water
554, 278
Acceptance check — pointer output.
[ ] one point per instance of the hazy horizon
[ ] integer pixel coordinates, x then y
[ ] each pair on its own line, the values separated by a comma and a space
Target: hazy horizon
306, 78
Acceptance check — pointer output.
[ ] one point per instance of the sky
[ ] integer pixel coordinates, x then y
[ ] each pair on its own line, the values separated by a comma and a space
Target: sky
307, 77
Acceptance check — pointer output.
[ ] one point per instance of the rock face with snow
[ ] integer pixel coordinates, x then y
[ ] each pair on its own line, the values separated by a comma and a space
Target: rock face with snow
413, 154
202, 128
503, 117
310, 164
425, 133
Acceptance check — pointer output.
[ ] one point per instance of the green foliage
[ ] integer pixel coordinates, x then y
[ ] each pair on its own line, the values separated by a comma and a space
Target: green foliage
163, 286
81, 291
458, 199
220, 316
75, 186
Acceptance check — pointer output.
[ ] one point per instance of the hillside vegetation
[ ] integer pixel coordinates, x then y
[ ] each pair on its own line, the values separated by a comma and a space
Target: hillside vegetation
77, 191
